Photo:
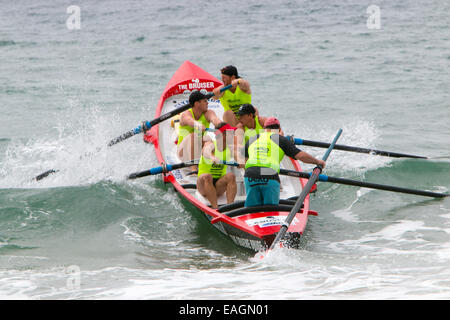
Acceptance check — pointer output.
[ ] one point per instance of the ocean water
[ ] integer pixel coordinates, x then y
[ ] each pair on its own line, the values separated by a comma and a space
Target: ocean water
86, 232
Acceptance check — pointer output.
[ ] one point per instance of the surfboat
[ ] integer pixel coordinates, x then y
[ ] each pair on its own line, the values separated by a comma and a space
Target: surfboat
254, 228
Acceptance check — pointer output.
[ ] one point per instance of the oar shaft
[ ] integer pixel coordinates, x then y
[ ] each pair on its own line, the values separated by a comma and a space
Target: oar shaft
146, 125
44, 174
305, 191
319, 144
325, 178
162, 169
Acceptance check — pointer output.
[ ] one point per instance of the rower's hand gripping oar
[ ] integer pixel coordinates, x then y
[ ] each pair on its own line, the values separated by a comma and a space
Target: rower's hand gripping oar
369, 185
146, 125
306, 189
319, 144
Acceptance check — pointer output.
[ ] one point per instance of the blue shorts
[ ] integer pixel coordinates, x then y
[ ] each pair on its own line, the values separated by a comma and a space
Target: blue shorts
261, 191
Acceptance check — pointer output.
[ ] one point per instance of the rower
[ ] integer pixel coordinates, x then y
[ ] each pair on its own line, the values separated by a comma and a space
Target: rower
264, 153
213, 179
232, 99
250, 124
193, 124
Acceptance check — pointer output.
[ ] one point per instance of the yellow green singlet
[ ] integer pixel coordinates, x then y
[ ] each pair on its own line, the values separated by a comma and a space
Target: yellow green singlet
184, 131
248, 133
216, 170
233, 101
264, 153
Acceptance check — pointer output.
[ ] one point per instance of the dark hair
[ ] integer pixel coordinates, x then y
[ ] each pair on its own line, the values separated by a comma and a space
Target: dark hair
246, 108
196, 96
230, 71
272, 126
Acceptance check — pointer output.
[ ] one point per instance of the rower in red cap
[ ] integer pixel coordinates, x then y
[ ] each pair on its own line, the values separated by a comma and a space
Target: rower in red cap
264, 153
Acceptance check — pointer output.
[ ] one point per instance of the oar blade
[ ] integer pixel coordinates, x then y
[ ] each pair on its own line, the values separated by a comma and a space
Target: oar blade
45, 174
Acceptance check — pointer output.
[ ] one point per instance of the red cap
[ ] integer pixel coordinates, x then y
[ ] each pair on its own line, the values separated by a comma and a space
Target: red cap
223, 128
271, 121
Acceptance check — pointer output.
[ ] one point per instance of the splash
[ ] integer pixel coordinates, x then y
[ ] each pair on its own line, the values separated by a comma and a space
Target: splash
358, 133
77, 151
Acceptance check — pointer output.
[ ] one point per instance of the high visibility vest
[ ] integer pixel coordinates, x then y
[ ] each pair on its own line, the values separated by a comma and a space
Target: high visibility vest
233, 101
264, 153
216, 170
184, 131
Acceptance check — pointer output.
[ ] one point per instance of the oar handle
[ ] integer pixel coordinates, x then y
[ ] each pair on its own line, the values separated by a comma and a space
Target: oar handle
211, 94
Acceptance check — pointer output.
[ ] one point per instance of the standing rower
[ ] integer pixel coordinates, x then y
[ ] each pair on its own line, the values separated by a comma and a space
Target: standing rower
264, 153
232, 99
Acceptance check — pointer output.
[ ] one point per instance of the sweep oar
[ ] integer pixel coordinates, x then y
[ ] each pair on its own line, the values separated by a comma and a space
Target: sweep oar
306, 189
319, 144
325, 178
146, 125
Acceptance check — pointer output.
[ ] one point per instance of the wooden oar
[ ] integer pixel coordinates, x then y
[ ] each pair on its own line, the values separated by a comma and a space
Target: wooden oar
319, 144
305, 191
146, 125
325, 178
